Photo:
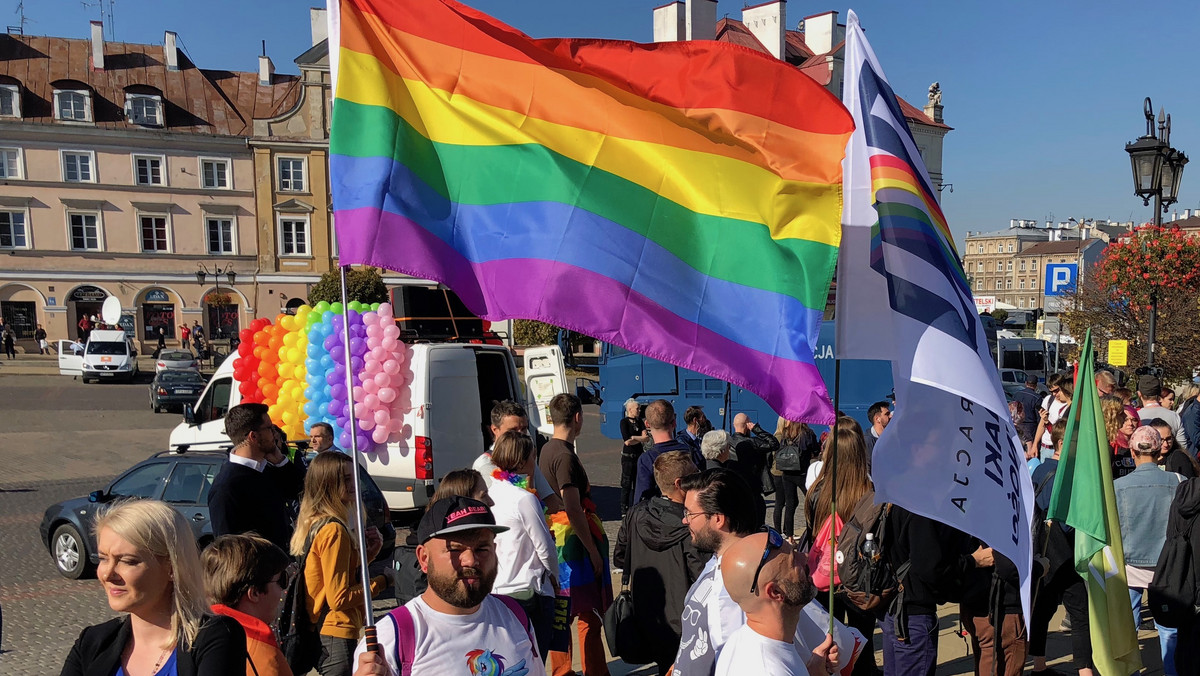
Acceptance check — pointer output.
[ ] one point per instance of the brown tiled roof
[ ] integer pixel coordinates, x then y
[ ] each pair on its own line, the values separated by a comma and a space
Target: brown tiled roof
195, 100
797, 53
1068, 246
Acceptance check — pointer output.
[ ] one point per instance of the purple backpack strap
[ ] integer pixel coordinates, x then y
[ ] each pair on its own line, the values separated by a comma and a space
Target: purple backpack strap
517, 610
406, 639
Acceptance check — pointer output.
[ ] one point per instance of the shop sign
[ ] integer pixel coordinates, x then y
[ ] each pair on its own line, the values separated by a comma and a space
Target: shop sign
157, 296
87, 294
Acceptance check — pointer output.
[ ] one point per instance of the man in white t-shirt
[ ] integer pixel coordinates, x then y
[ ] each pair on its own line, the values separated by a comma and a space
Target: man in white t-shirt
1150, 390
509, 416
719, 513
768, 578
456, 626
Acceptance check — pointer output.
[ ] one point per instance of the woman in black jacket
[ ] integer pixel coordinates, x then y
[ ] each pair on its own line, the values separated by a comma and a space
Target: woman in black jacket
150, 569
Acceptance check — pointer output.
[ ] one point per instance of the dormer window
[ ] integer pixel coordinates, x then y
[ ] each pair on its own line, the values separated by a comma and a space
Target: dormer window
72, 105
144, 109
10, 100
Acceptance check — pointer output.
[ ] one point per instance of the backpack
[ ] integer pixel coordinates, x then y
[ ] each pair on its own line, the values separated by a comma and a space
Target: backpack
789, 457
299, 636
406, 637
1173, 592
867, 580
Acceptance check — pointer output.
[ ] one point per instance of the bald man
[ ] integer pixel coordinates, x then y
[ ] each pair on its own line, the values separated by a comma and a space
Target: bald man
768, 579
752, 444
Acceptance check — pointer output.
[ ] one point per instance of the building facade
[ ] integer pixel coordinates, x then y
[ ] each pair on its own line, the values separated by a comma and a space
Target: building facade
124, 171
1011, 264
990, 261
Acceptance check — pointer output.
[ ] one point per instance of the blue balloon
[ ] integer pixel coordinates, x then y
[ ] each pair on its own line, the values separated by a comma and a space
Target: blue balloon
326, 362
323, 410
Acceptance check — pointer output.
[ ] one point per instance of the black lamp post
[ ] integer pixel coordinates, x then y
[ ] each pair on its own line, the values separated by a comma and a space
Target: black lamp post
216, 273
1157, 171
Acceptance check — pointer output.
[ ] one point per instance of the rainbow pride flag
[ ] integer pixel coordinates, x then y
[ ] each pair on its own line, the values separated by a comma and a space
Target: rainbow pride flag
681, 200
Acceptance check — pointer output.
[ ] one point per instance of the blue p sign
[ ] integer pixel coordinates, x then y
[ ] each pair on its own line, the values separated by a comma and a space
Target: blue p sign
1061, 278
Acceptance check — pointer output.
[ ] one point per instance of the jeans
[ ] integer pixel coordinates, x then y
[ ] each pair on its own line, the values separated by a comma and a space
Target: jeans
788, 487
1167, 637
337, 656
918, 655
628, 476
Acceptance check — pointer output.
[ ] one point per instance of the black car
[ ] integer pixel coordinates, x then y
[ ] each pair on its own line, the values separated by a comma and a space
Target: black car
173, 387
180, 478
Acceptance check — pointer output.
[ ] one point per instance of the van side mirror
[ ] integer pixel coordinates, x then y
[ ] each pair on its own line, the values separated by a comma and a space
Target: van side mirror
189, 414
96, 496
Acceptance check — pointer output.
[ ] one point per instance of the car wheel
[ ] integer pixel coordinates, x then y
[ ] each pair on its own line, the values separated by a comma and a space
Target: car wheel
70, 552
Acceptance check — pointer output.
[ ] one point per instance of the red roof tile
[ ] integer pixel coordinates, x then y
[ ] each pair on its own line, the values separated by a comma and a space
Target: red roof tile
195, 100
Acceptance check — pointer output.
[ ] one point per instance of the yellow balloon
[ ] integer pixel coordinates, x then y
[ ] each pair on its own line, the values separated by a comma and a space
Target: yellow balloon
295, 355
285, 372
288, 322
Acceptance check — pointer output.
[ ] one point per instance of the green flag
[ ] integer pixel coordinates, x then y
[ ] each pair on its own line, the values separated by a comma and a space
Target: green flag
1083, 498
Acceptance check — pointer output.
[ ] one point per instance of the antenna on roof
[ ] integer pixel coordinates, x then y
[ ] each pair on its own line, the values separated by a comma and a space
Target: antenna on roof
264, 45
112, 20
21, 19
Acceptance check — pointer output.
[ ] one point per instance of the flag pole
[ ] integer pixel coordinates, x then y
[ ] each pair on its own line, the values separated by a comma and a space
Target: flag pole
837, 383
354, 455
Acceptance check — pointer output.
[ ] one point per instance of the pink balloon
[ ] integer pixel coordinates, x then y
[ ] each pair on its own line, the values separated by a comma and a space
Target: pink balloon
382, 416
370, 318
387, 395
369, 386
388, 343
391, 331
374, 330
371, 368
371, 401
391, 368
382, 379
380, 435
395, 425
366, 424
358, 393
378, 353
385, 310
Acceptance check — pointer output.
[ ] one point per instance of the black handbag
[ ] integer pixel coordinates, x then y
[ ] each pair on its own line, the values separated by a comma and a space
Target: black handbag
621, 631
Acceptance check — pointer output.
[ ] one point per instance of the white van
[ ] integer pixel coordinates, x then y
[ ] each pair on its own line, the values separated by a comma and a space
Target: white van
454, 386
108, 355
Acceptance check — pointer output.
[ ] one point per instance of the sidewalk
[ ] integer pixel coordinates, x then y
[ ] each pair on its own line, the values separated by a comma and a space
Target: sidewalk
47, 365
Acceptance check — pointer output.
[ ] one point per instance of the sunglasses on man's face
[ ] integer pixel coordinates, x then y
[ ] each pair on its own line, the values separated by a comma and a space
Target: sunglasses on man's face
774, 541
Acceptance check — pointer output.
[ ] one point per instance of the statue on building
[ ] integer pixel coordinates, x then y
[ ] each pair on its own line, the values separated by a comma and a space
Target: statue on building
935, 94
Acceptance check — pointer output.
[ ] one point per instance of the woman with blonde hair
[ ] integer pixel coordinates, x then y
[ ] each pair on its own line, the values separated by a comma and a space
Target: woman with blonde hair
1119, 425
789, 483
329, 562
1189, 417
150, 570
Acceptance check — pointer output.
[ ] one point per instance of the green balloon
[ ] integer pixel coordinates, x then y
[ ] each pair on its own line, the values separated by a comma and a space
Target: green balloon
336, 308
322, 306
375, 306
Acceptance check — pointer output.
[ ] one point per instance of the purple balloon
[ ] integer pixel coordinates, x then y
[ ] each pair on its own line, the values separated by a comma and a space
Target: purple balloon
330, 343
331, 379
356, 364
344, 439
357, 346
339, 392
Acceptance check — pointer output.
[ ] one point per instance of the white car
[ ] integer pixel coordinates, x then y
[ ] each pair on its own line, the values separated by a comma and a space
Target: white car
108, 355
176, 360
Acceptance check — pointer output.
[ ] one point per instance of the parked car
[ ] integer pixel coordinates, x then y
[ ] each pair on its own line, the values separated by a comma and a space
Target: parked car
174, 388
176, 360
180, 478
1012, 380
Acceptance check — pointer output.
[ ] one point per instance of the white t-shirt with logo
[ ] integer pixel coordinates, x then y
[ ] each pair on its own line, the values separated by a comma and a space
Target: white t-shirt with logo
748, 652
489, 641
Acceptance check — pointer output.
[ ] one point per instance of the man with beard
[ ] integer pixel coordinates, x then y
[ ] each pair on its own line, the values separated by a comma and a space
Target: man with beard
456, 626
768, 578
719, 511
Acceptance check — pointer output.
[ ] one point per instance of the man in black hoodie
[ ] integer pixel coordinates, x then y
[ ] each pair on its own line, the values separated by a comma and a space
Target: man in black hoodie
1184, 510
939, 559
660, 563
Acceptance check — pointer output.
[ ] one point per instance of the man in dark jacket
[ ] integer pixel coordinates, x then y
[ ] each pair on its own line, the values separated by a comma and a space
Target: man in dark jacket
655, 549
660, 422
253, 491
1184, 509
752, 445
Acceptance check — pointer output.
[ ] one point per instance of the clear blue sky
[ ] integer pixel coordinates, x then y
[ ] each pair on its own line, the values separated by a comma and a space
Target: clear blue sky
1042, 95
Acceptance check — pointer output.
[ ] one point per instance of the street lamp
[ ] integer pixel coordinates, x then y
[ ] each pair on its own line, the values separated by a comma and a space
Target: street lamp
216, 273
1157, 171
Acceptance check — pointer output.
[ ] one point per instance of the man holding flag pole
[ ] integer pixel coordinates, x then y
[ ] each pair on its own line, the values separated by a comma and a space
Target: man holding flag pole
951, 453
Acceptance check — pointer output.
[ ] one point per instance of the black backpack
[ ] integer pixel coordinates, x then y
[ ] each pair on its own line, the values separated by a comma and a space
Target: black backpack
1173, 592
867, 581
299, 636
789, 457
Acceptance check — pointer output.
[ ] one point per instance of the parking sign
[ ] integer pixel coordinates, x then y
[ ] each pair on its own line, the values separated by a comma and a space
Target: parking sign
1061, 278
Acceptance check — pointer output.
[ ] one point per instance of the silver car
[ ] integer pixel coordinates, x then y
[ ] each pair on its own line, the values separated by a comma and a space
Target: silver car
176, 360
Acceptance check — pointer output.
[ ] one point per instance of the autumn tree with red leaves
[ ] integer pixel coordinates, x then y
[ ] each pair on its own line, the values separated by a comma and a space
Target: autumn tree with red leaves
1115, 296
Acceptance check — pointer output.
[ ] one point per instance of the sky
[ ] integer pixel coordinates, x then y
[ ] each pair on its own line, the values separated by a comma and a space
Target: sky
1043, 96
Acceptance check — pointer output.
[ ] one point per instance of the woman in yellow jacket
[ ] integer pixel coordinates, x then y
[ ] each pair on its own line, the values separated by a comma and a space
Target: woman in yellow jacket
331, 571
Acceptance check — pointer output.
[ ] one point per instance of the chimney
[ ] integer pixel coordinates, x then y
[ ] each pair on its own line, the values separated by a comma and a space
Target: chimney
670, 22
170, 51
701, 19
766, 21
319, 20
822, 32
266, 70
97, 45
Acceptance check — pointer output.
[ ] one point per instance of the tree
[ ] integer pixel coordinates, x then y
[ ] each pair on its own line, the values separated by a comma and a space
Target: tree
364, 285
533, 332
1000, 315
1115, 297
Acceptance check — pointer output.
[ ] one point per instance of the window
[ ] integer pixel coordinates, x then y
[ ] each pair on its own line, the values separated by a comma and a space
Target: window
77, 167
72, 105
144, 109
141, 482
189, 482
1022, 266
1032, 302
85, 232
1008, 284
220, 236
1009, 266
12, 230
215, 402
293, 237
979, 285
291, 174
10, 163
1010, 247
10, 101
214, 174
999, 285
1021, 303
979, 267
1033, 283
148, 169
1022, 284
154, 234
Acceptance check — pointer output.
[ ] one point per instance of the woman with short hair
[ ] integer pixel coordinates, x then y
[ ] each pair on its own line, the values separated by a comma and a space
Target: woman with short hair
150, 571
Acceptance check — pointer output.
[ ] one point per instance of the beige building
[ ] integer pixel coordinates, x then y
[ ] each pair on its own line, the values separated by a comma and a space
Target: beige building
990, 261
124, 171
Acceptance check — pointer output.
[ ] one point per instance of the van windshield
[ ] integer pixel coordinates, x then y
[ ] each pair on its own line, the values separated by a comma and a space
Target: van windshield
106, 348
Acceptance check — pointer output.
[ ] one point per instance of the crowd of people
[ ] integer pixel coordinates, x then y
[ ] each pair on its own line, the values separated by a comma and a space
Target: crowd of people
512, 552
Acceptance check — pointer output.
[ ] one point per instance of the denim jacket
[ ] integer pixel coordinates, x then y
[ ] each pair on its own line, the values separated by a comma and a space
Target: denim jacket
1143, 505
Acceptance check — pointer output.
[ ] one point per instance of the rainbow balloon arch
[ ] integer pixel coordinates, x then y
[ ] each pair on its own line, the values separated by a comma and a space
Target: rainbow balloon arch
296, 365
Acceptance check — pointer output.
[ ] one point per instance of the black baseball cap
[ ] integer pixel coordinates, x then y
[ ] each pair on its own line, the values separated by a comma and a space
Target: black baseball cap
454, 515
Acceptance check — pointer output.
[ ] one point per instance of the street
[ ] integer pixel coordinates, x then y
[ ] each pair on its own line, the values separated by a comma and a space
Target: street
63, 439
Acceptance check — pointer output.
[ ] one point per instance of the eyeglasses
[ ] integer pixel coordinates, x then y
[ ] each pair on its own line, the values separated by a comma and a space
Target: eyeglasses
774, 541
688, 516
285, 576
